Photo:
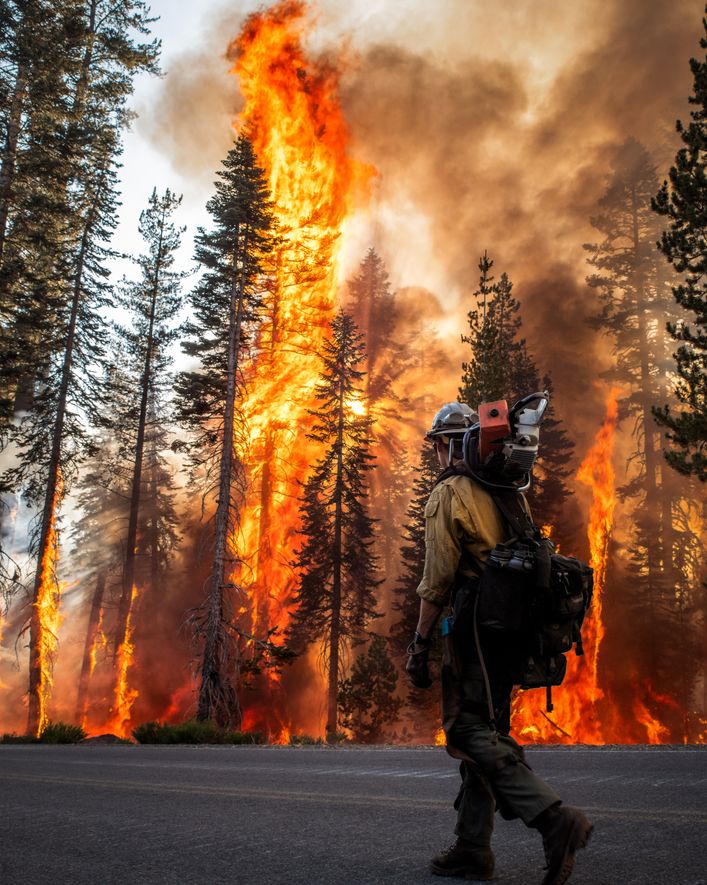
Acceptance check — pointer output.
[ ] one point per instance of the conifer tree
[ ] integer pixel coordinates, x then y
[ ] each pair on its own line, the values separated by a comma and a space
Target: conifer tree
73, 69
387, 363
412, 552
53, 438
367, 697
635, 301
501, 367
154, 301
423, 706
493, 327
336, 565
684, 204
226, 306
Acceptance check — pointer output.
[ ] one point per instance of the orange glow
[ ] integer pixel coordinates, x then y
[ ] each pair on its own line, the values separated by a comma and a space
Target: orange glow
47, 607
576, 718
99, 641
440, 738
119, 722
293, 118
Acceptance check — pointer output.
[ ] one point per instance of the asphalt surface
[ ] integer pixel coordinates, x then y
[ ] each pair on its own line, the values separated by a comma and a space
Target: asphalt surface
267, 815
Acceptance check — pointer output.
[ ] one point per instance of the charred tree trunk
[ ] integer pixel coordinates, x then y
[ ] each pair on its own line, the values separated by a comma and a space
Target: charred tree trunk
218, 698
126, 594
36, 713
335, 630
89, 650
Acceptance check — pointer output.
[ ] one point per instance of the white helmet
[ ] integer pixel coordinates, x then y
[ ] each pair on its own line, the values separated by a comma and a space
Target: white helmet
453, 419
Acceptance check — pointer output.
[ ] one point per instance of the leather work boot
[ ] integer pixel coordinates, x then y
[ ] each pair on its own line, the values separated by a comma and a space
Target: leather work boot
564, 830
463, 859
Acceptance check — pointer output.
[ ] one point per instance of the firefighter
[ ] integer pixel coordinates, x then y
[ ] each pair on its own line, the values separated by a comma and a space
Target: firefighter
462, 525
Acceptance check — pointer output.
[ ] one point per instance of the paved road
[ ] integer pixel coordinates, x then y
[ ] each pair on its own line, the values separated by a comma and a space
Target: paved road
270, 815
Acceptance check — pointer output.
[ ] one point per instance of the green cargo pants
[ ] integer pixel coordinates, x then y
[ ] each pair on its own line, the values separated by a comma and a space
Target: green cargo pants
496, 776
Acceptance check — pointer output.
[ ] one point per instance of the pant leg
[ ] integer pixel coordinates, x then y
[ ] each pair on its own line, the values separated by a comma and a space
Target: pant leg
518, 791
476, 807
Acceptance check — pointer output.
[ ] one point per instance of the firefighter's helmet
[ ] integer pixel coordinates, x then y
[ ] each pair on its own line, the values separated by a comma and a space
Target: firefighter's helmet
452, 420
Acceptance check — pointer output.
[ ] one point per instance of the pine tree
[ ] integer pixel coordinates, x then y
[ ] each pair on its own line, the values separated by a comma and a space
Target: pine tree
684, 204
635, 301
226, 306
423, 705
154, 301
73, 69
501, 367
337, 568
367, 698
493, 327
387, 362
53, 439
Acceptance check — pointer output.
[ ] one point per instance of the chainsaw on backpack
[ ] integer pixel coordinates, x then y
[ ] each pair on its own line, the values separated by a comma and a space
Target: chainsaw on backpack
527, 590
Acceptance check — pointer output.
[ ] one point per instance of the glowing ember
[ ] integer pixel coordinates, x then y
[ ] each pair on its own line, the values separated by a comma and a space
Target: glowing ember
47, 609
119, 722
293, 118
440, 738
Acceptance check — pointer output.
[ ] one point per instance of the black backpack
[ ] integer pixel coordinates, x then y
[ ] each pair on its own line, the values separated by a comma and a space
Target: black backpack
535, 595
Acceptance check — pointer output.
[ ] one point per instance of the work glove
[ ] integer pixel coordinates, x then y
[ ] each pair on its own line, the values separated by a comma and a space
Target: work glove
417, 666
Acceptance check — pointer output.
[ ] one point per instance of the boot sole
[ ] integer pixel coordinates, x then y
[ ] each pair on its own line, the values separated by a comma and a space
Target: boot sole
578, 838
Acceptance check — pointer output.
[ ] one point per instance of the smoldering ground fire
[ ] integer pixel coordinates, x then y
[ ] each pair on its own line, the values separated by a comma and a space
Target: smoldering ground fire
480, 162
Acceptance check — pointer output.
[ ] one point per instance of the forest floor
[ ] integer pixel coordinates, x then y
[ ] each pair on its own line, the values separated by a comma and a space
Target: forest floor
294, 815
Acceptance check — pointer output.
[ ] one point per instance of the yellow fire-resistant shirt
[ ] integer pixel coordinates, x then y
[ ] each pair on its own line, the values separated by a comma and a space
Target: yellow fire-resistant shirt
462, 526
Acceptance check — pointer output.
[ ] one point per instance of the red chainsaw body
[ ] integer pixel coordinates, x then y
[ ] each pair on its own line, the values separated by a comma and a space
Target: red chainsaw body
494, 427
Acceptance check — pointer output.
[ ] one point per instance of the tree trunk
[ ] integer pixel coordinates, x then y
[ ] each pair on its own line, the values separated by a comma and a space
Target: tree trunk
126, 594
654, 552
335, 630
216, 699
9, 154
39, 665
89, 650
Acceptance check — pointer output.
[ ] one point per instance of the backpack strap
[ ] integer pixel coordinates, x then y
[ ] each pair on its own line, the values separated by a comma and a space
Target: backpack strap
516, 516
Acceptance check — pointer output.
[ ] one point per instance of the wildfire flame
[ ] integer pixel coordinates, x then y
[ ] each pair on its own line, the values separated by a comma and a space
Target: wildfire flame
119, 722
576, 718
47, 608
293, 118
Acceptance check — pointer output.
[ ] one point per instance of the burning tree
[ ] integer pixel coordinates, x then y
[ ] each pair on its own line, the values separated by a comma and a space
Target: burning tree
335, 597
154, 301
683, 244
635, 300
56, 320
226, 306
387, 360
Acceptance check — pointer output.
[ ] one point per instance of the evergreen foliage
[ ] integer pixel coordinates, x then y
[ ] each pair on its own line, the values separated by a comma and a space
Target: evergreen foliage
501, 367
226, 306
154, 302
58, 179
635, 301
684, 244
387, 360
336, 564
367, 698
423, 706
